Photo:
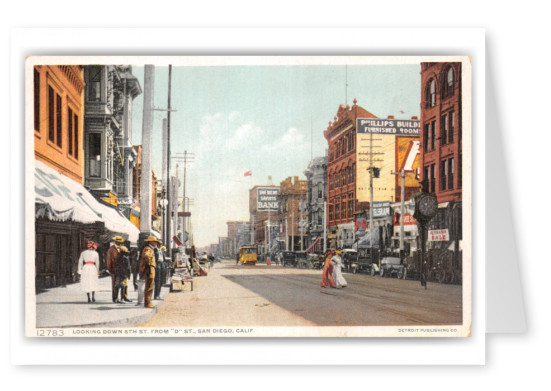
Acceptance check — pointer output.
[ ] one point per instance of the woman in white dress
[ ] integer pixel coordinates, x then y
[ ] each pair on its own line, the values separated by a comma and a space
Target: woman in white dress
337, 270
88, 265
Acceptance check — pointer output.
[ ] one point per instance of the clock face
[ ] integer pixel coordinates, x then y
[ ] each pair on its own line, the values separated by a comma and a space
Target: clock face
428, 206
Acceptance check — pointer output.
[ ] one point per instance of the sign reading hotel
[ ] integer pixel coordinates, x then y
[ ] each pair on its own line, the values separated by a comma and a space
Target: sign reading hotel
439, 235
392, 127
267, 198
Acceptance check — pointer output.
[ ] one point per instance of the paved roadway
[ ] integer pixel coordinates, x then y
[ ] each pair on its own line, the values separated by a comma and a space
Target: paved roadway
262, 295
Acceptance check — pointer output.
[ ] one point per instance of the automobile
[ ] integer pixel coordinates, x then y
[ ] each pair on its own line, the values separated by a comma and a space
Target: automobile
289, 258
392, 266
301, 260
365, 263
316, 261
350, 260
203, 259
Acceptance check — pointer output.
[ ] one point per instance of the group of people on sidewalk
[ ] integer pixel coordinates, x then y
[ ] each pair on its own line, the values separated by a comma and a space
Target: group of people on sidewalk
332, 270
121, 264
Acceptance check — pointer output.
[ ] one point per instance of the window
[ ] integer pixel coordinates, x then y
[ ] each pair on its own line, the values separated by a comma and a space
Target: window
58, 120
430, 95
426, 174
353, 172
70, 131
448, 84
36, 100
343, 209
443, 173
450, 173
54, 117
426, 137
444, 129
51, 117
76, 133
460, 170
451, 126
94, 84
330, 212
94, 154
337, 211
432, 178
320, 190
350, 210
433, 136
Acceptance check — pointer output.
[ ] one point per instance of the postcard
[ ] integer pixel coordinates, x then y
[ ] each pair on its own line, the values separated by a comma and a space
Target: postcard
248, 196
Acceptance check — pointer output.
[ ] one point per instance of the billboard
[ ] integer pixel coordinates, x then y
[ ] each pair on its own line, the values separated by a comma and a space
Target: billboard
267, 199
392, 127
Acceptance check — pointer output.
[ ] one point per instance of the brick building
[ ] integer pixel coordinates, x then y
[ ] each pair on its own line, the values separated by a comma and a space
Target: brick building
441, 146
264, 210
341, 169
58, 118
293, 213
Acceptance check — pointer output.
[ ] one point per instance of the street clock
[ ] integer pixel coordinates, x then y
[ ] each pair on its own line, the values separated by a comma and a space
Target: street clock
426, 206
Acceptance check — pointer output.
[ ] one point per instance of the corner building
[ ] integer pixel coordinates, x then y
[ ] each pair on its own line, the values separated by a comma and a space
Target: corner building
341, 172
441, 147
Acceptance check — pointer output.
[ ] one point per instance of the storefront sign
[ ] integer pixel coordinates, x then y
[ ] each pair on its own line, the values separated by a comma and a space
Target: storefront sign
396, 127
439, 235
381, 209
267, 198
408, 219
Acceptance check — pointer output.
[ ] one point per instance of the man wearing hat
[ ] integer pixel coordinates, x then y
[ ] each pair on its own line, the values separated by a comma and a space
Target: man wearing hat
122, 272
112, 255
147, 268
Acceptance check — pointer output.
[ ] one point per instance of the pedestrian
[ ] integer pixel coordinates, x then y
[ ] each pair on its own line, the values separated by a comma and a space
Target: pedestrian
211, 261
337, 269
122, 272
138, 283
327, 275
147, 270
88, 265
112, 255
159, 271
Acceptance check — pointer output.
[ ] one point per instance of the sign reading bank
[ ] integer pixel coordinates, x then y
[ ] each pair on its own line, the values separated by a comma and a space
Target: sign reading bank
267, 198
396, 127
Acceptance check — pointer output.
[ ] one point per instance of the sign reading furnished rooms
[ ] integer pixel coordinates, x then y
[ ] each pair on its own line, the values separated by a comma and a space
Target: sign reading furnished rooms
396, 127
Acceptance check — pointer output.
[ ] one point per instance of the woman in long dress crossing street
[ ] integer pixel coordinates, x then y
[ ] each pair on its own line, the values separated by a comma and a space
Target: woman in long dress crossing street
327, 276
337, 270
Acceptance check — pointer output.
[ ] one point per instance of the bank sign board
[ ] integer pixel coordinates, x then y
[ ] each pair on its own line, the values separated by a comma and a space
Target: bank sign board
267, 199
391, 127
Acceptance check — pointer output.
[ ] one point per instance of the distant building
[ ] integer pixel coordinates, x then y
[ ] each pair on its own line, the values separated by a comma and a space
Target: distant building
264, 214
293, 213
316, 177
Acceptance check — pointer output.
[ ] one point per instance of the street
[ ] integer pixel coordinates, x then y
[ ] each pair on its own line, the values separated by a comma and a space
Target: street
262, 295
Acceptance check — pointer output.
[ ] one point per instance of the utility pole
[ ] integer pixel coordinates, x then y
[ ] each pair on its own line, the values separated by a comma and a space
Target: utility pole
403, 174
324, 227
147, 125
187, 157
169, 209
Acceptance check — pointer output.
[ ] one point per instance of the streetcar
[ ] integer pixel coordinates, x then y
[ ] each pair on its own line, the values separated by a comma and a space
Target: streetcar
248, 255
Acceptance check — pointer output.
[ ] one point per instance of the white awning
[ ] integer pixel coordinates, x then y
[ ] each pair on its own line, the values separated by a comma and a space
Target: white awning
59, 198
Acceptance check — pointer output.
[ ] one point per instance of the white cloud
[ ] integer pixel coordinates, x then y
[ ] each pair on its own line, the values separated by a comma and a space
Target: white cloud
290, 140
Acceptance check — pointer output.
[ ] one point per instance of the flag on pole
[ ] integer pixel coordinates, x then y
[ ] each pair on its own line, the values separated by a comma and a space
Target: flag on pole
248, 173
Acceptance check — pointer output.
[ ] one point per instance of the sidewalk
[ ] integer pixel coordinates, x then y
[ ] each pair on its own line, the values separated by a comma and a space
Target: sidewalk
69, 307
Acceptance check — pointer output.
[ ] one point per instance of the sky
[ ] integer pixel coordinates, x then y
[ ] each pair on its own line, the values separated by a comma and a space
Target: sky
266, 119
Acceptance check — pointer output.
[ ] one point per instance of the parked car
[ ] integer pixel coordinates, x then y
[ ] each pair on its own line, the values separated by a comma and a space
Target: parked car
392, 266
289, 258
350, 260
301, 260
316, 261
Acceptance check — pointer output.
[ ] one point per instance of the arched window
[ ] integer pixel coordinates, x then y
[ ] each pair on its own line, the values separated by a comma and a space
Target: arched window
448, 84
431, 93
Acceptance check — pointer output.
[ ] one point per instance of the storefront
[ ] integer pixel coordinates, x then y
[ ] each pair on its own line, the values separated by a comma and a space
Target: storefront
66, 217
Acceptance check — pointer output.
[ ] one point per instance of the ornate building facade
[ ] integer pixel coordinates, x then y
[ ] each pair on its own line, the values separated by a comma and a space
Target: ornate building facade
109, 156
316, 177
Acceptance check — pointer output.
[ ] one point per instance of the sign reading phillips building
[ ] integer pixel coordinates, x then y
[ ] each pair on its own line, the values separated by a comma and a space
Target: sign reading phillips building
267, 199
394, 127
